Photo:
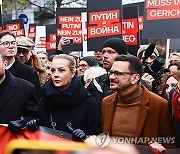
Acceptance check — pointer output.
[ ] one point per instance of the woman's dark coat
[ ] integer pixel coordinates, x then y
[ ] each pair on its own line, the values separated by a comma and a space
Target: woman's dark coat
73, 105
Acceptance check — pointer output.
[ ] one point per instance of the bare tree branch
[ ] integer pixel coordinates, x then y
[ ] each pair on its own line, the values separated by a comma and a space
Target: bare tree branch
41, 7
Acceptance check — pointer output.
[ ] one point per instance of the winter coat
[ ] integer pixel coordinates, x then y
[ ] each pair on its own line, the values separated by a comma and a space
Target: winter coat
73, 105
17, 100
26, 72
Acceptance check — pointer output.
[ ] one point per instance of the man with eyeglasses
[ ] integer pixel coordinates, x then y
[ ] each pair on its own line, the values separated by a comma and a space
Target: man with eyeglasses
133, 111
100, 87
25, 48
8, 47
84, 64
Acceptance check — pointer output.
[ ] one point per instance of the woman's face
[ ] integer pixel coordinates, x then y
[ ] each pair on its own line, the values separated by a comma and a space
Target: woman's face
170, 83
61, 74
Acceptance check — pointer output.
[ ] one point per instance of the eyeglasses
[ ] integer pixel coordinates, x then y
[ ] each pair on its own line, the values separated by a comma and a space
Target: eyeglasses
82, 65
6, 44
117, 73
23, 51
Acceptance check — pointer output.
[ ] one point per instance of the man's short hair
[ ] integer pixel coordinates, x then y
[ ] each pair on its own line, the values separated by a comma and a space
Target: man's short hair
6, 32
135, 65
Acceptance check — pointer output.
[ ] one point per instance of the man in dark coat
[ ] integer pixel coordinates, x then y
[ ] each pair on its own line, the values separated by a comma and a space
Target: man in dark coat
8, 47
18, 103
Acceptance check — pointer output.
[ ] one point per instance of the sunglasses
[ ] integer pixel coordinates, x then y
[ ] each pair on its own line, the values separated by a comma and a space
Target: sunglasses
98, 51
23, 51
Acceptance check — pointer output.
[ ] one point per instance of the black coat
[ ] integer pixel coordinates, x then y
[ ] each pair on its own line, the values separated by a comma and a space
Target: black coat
73, 105
27, 73
17, 100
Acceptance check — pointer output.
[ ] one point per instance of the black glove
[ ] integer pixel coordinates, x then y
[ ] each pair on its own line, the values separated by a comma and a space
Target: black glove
78, 135
32, 125
16, 126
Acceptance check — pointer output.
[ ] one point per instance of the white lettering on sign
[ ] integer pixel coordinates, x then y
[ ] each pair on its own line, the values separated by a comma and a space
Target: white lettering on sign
158, 3
54, 37
52, 45
167, 13
129, 38
104, 30
13, 27
66, 19
72, 26
63, 32
128, 25
104, 16
176, 2
75, 32
19, 32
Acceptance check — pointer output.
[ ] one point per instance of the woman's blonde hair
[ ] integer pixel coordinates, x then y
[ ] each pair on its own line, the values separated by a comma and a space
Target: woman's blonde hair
72, 64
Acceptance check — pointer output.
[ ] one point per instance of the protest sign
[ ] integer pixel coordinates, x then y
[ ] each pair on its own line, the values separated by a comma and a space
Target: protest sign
32, 31
130, 28
40, 39
161, 19
69, 25
15, 26
104, 21
140, 7
51, 39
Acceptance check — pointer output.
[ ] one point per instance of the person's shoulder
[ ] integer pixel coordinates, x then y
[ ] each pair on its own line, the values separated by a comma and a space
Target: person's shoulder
157, 100
24, 82
28, 68
109, 98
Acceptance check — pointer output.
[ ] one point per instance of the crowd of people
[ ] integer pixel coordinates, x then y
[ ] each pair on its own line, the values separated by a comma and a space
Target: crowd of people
110, 92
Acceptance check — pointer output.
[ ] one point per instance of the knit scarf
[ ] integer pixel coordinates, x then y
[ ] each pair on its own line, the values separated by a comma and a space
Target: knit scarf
68, 99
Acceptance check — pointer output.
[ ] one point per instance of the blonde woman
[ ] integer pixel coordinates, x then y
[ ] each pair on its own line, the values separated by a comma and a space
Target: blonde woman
65, 101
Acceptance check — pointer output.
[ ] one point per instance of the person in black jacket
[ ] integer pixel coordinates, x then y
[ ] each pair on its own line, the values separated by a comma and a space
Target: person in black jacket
100, 87
111, 48
8, 46
18, 104
65, 101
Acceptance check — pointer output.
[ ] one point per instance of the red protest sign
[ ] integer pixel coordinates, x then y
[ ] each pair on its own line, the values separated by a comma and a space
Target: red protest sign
104, 23
52, 42
130, 31
32, 32
15, 28
141, 22
71, 27
161, 9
